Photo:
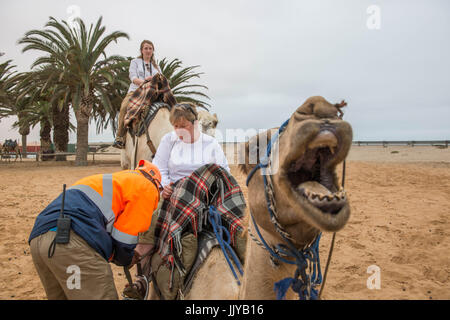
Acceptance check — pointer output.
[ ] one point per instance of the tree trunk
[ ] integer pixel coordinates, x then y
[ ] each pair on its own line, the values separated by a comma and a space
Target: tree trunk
60, 130
24, 131
46, 141
24, 146
82, 115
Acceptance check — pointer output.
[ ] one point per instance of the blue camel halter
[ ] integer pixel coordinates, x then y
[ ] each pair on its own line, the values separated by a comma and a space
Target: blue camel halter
302, 283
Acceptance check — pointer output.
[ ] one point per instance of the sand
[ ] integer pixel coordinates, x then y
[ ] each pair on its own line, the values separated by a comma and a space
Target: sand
400, 223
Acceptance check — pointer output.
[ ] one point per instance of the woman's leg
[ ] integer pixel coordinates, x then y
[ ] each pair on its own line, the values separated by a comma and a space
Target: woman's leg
121, 132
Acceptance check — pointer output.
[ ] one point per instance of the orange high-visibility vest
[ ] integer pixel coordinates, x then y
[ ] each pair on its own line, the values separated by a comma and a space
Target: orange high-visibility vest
127, 200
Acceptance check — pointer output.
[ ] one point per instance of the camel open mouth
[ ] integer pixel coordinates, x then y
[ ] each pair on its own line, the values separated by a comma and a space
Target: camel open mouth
311, 175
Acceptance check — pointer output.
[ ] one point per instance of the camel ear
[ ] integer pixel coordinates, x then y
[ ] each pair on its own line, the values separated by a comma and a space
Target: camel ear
215, 116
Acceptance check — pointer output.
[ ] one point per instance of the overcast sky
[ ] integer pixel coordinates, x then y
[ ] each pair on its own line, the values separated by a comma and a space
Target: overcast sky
261, 59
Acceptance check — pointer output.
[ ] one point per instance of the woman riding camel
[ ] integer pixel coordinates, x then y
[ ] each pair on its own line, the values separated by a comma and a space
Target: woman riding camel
141, 69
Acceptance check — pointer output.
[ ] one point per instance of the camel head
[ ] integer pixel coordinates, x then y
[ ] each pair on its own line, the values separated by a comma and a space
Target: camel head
207, 122
307, 193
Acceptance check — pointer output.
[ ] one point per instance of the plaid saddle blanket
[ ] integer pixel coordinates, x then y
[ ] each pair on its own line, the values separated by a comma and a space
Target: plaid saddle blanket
155, 90
187, 209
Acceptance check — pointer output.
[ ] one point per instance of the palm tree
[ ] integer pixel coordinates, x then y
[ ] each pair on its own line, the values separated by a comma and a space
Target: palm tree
6, 88
40, 85
179, 78
74, 56
116, 91
9, 81
61, 127
38, 113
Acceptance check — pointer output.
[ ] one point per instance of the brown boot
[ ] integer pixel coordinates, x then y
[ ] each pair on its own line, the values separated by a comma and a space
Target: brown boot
119, 143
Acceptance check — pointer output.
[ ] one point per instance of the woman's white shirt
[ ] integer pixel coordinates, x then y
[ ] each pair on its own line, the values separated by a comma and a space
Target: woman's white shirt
138, 71
177, 159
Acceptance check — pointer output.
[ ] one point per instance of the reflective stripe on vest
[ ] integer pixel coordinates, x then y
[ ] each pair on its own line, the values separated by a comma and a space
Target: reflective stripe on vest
124, 237
105, 205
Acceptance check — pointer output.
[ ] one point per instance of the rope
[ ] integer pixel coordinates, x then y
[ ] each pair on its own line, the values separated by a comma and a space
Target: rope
332, 241
219, 230
328, 264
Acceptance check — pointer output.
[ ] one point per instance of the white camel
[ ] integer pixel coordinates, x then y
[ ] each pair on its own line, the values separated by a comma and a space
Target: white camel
207, 122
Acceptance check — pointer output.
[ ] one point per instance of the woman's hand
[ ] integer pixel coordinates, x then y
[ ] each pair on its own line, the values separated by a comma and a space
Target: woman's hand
137, 81
167, 192
148, 78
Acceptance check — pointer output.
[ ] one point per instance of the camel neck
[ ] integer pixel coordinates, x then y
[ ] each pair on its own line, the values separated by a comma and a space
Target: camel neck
259, 274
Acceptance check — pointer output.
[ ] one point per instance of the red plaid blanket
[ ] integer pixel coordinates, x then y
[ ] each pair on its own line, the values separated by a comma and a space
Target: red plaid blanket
187, 209
157, 89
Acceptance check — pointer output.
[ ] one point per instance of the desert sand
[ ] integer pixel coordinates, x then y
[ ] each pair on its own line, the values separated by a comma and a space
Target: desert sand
400, 207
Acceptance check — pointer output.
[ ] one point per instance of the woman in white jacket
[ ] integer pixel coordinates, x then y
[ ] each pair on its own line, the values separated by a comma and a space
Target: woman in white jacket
142, 69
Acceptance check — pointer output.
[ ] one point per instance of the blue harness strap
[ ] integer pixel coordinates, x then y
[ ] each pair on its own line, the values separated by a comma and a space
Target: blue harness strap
225, 244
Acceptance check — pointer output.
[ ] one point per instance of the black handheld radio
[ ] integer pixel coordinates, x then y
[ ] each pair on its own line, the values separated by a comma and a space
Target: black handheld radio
62, 228
63, 224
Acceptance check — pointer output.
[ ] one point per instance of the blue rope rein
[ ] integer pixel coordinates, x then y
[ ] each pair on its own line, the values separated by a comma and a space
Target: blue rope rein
225, 244
301, 283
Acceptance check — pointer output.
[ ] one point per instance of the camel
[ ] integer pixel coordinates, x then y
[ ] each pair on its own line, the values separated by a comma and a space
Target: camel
138, 149
307, 196
159, 126
11, 147
207, 122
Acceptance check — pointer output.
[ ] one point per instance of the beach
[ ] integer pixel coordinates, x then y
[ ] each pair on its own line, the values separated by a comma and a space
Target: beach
399, 223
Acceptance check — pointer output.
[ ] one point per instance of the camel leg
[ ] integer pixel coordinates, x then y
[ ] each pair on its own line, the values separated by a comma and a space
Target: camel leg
125, 153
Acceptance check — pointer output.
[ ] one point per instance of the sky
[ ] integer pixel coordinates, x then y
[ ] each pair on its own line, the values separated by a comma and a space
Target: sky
389, 59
